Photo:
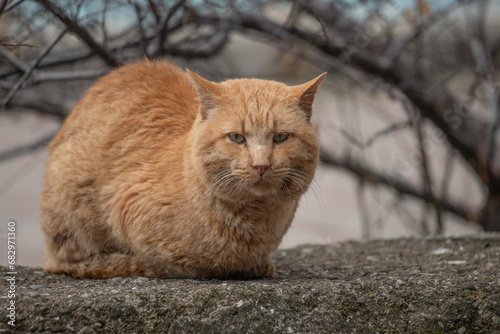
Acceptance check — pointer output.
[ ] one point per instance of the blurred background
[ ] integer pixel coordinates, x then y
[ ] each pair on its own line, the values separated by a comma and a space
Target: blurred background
408, 118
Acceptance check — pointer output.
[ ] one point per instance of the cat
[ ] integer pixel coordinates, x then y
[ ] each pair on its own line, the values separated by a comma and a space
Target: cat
160, 172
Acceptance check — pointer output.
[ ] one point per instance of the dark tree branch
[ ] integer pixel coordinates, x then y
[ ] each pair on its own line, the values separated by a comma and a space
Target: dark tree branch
3, 4
43, 76
374, 137
433, 101
163, 31
22, 66
396, 49
25, 149
17, 45
28, 102
73, 26
12, 5
27, 73
55, 59
426, 175
399, 186
410, 68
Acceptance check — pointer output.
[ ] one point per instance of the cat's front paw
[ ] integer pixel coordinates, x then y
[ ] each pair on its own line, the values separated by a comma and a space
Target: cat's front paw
265, 270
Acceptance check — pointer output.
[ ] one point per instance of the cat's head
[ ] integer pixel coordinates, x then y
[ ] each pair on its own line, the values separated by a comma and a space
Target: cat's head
253, 138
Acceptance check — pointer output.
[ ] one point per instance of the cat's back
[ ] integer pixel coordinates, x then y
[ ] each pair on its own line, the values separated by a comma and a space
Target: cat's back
142, 98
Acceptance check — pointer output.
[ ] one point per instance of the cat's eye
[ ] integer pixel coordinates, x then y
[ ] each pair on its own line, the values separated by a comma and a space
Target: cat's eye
237, 138
280, 137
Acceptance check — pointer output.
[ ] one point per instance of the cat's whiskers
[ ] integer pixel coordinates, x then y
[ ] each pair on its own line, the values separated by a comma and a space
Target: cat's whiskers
221, 175
222, 179
313, 185
297, 179
233, 182
237, 187
217, 179
285, 186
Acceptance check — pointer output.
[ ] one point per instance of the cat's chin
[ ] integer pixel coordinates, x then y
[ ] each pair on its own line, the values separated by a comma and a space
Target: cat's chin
261, 183
261, 188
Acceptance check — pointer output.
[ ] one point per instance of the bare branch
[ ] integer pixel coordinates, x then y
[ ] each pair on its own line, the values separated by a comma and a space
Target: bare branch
14, 60
390, 129
25, 149
363, 208
27, 102
374, 137
495, 129
26, 74
17, 44
103, 24
3, 4
427, 177
163, 31
399, 186
42, 76
397, 48
12, 5
420, 70
140, 28
79, 31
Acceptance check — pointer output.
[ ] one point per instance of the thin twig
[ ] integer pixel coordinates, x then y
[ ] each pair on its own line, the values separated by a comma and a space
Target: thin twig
140, 28
103, 24
12, 5
427, 179
14, 60
495, 129
373, 138
390, 129
398, 47
398, 185
3, 3
447, 174
363, 208
163, 31
33, 65
18, 44
79, 31
25, 149
43, 76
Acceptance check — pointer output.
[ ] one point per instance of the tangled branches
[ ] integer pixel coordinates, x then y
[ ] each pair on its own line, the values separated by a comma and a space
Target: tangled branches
414, 56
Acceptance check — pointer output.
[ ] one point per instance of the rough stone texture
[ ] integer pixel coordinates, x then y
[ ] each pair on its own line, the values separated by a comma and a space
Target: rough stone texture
430, 285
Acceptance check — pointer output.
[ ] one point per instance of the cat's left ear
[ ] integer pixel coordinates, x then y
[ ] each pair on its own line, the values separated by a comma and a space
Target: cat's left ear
306, 92
206, 90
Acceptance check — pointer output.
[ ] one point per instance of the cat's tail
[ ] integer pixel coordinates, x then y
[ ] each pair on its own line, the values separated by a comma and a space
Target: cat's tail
100, 266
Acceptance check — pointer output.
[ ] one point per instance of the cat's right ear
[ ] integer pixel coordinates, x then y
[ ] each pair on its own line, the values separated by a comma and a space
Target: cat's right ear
306, 94
206, 92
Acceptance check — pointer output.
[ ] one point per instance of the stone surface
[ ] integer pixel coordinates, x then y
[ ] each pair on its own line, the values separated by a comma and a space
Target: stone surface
380, 286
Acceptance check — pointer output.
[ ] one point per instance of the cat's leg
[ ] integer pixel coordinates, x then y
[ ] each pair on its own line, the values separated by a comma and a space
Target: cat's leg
62, 242
67, 252
71, 249
103, 266
265, 270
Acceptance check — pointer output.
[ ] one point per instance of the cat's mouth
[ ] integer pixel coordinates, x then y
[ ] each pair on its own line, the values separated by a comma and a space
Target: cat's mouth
261, 182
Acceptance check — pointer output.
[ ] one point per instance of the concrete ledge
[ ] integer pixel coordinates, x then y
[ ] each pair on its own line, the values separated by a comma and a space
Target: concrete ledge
432, 285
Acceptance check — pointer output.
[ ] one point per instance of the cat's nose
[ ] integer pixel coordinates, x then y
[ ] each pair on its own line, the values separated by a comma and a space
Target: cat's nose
261, 169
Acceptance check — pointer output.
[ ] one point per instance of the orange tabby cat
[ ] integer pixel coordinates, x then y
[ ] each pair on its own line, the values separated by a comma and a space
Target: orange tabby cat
158, 172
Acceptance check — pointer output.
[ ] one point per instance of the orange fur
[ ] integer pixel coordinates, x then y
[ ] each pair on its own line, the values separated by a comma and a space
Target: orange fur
143, 178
